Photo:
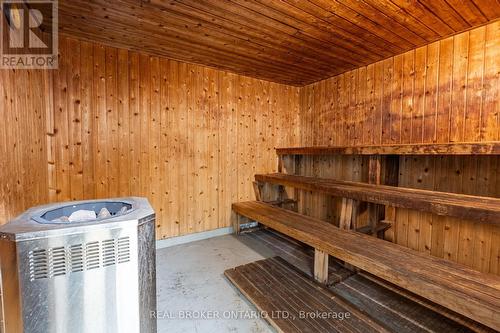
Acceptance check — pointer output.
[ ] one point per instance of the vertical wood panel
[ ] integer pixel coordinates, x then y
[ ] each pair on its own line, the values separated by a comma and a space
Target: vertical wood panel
61, 124
431, 93
408, 92
112, 119
228, 125
475, 71
101, 130
156, 178
166, 181
490, 116
87, 120
123, 134
75, 121
134, 125
417, 121
459, 84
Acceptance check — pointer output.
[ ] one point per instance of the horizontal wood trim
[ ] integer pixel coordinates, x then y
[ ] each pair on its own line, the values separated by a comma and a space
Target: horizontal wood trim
481, 209
463, 290
481, 148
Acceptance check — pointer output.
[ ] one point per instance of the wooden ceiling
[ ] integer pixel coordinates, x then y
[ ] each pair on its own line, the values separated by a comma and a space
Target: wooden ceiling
294, 42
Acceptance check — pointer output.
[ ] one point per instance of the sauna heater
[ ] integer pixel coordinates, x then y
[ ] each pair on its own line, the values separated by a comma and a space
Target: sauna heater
86, 266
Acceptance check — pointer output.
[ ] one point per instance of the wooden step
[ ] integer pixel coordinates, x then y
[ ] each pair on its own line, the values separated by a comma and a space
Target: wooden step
294, 303
471, 148
481, 209
468, 292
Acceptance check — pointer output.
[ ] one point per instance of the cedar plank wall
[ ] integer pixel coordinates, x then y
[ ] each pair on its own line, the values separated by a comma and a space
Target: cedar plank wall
112, 122
446, 91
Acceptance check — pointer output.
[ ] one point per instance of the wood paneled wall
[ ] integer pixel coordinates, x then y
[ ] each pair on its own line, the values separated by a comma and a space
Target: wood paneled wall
446, 91
112, 122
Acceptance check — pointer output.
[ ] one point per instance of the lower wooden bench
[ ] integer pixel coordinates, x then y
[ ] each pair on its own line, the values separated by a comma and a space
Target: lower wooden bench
467, 292
291, 302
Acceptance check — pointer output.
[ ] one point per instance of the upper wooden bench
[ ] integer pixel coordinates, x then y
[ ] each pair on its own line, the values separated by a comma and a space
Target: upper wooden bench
482, 209
472, 148
467, 292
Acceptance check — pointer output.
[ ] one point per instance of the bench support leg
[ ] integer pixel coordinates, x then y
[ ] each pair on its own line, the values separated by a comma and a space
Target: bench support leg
348, 217
320, 266
257, 188
375, 212
348, 214
237, 222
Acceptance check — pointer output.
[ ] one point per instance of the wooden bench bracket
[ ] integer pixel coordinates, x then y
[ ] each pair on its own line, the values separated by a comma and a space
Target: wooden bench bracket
320, 266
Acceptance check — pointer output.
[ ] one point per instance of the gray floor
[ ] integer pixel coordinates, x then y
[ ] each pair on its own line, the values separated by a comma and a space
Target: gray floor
190, 281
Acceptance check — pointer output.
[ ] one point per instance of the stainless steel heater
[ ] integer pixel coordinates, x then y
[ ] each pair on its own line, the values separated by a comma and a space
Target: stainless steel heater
86, 266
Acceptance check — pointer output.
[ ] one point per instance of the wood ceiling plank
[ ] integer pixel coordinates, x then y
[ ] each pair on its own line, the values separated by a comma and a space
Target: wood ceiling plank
319, 18
287, 44
469, 11
349, 14
332, 18
219, 55
446, 13
293, 42
276, 30
354, 46
398, 14
489, 8
244, 46
426, 17
251, 34
173, 53
366, 10
183, 30
320, 39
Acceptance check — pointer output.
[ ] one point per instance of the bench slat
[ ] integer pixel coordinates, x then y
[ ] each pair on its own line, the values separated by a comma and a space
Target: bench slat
467, 292
481, 209
471, 148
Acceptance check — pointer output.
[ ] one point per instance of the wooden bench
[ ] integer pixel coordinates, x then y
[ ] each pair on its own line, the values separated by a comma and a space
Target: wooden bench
456, 287
383, 169
481, 209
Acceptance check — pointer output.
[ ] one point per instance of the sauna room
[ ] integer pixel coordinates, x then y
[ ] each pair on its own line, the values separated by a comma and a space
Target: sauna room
249, 166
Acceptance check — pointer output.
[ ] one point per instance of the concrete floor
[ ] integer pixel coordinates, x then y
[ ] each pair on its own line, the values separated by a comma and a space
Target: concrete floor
190, 281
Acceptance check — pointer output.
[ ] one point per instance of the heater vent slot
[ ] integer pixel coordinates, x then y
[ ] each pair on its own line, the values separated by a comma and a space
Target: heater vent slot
39, 264
123, 249
47, 263
76, 257
56, 261
92, 255
108, 252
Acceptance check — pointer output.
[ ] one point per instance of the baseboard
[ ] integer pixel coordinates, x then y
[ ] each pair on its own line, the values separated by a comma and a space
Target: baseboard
163, 243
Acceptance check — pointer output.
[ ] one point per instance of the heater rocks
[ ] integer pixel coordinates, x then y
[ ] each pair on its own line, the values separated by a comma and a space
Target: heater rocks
85, 215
